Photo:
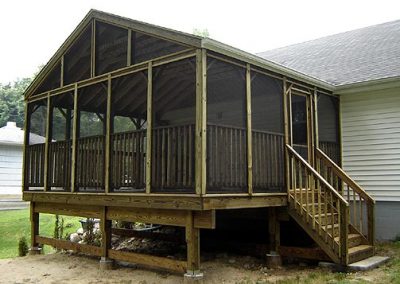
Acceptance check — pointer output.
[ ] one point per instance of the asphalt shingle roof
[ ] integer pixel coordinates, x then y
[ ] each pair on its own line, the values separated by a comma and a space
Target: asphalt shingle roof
361, 55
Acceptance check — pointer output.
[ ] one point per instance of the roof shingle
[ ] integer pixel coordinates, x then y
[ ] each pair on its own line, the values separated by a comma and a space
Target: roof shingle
360, 55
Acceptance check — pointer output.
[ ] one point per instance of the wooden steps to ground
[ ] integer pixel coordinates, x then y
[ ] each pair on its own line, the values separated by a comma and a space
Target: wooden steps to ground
357, 249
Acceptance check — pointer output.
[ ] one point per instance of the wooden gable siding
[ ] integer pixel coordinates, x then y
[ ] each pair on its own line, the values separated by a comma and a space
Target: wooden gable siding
371, 141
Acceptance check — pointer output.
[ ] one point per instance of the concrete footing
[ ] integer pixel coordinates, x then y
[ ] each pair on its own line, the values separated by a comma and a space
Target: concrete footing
193, 277
35, 250
365, 264
106, 263
274, 260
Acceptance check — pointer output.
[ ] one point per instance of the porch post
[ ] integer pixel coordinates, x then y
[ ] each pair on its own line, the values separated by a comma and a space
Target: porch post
249, 132
75, 132
27, 130
286, 126
34, 218
201, 122
49, 118
105, 225
193, 248
149, 125
109, 129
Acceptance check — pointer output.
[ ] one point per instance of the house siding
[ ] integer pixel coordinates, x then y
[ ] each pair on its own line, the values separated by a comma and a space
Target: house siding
371, 141
10, 169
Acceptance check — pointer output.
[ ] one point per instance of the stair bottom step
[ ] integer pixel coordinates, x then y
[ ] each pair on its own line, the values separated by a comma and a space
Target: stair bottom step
360, 252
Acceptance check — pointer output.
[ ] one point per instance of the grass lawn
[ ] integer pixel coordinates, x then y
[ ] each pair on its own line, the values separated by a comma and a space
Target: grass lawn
15, 224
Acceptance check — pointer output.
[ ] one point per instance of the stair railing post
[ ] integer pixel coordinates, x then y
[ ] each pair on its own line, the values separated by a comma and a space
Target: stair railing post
344, 231
371, 222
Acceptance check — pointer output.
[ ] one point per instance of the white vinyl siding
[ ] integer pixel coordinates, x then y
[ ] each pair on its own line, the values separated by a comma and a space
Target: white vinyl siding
10, 169
371, 141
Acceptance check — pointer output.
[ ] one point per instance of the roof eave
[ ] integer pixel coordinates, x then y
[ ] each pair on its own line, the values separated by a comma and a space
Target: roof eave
371, 85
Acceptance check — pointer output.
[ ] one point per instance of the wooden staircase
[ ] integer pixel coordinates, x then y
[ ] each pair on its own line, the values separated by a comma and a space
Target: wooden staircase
333, 209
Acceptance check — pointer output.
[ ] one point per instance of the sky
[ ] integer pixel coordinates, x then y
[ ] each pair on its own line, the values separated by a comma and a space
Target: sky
32, 31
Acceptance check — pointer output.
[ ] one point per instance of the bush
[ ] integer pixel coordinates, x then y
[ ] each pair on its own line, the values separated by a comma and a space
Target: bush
22, 247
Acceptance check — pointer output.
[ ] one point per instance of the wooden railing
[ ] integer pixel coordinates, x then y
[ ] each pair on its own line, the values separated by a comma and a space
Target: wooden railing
318, 205
331, 149
268, 160
59, 171
90, 163
34, 165
128, 160
226, 158
361, 203
173, 157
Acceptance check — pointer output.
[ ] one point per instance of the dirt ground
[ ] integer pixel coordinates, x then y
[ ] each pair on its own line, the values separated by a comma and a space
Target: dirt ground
71, 268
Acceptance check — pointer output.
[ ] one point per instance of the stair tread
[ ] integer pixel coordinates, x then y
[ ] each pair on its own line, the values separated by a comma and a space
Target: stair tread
359, 248
349, 237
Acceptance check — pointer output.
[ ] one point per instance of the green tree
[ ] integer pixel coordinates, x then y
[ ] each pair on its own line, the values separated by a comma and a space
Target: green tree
202, 33
12, 101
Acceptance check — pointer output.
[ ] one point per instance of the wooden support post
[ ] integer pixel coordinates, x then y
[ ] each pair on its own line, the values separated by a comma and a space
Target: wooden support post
201, 122
68, 125
286, 126
193, 248
371, 223
109, 129
49, 119
149, 125
34, 218
273, 257
344, 232
93, 50
274, 229
75, 131
249, 132
129, 49
62, 71
105, 227
27, 123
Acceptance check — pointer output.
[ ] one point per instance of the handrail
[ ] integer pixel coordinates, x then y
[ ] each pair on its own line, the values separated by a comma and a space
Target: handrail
342, 174
321, 179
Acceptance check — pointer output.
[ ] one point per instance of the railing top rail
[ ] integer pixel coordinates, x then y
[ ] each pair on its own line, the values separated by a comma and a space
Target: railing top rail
173, 126
129, 132
311, 169
91, 137
342, 174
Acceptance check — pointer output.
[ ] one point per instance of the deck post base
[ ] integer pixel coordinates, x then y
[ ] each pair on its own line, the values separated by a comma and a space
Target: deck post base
35, 250
106, 263
274, 260
193, 277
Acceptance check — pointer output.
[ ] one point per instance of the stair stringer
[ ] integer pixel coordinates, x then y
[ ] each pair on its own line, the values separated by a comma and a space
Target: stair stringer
314, 235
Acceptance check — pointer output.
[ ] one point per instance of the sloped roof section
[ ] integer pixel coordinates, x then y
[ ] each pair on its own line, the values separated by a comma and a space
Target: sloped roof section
361, 55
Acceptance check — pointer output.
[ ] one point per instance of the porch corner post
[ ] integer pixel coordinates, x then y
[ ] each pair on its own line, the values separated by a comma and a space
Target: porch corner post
109, 129
49, 118
149, 125
286, 127
201, 122
74, 137
27, 123
249, 131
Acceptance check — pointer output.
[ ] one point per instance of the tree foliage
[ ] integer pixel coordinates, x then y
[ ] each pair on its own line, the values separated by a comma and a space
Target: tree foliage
12, 101
201, 32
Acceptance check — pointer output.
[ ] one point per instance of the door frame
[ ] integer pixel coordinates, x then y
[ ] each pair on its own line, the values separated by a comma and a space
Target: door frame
293, 90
